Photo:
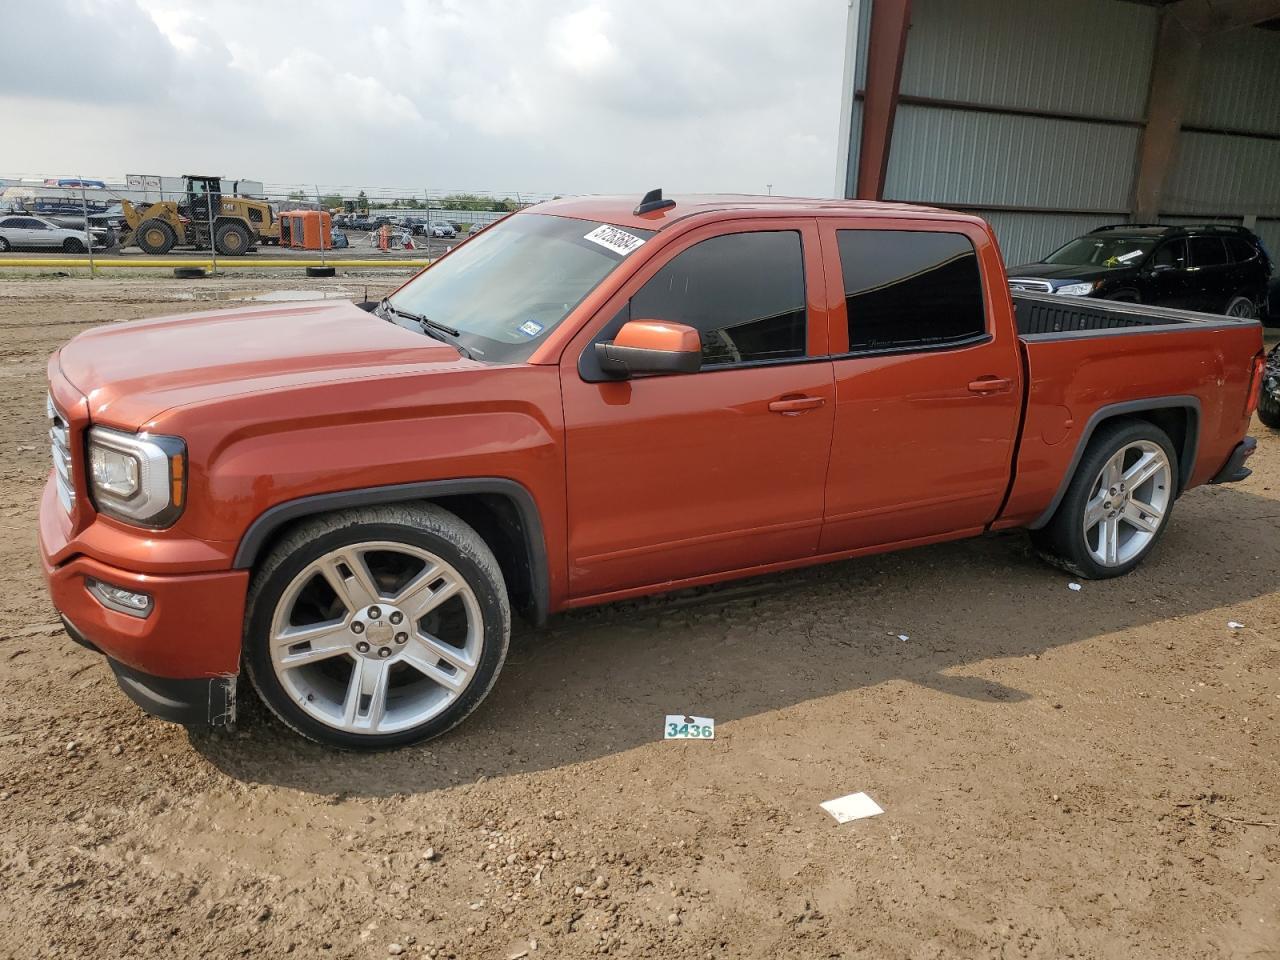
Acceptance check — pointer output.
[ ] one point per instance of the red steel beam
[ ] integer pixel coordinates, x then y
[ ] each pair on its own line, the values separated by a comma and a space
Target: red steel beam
887, 45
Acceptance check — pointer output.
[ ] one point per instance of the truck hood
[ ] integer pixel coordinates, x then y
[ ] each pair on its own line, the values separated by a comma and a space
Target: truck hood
1061, 273
131, 372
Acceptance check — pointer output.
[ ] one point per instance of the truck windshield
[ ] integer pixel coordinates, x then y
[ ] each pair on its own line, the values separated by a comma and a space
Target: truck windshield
1103, 252
507, 288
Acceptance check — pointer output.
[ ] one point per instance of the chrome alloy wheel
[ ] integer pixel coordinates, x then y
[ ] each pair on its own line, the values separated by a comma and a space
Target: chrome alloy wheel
1128, 502
376, 637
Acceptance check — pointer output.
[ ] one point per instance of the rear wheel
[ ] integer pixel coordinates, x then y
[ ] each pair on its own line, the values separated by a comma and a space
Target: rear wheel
233, 239
155, 237
4, 245
1117, 505
1241, 307
377, 627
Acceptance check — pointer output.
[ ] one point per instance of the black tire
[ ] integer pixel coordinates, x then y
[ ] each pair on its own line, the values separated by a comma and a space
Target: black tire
155, 237
1062, 542
190, 273
1243, 307
4, 245
1269, 410
421, 525
233, 239
321, 272
72, 245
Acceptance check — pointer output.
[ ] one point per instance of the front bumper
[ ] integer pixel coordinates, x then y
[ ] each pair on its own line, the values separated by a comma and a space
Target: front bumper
200, 702
185, 653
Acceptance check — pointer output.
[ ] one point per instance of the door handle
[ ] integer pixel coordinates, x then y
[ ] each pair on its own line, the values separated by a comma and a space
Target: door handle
990, 385
794, 405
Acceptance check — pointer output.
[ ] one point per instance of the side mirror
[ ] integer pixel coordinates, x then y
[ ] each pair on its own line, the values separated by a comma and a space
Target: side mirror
651, 346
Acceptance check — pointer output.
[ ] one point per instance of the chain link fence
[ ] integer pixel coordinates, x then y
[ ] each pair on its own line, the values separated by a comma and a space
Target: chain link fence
151, 220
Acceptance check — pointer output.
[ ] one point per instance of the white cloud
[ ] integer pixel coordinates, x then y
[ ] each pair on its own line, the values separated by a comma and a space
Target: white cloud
482, 94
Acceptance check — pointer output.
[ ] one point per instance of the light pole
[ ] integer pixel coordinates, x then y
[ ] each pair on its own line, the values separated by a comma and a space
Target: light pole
769, 187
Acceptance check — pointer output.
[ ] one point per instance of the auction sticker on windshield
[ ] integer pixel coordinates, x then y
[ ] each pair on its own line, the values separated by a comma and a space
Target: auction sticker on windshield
612, 238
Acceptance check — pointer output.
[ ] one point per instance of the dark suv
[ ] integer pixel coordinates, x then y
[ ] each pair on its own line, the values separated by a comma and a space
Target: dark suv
1211, 267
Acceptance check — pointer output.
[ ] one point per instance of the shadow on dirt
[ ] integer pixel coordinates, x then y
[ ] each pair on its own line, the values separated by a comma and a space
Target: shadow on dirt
599, 682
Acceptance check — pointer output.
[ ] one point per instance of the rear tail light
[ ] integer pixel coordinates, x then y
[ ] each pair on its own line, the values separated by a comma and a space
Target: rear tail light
1255, 384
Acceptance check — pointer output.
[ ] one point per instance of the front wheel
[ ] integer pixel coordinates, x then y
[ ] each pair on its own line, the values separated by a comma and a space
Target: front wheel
232, 239
1117, 505
72, 245
377, 627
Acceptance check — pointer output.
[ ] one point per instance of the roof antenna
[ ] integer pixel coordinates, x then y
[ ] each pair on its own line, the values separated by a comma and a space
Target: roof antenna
653, 201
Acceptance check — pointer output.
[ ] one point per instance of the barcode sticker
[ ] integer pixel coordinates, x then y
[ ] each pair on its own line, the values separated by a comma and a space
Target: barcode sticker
612, 238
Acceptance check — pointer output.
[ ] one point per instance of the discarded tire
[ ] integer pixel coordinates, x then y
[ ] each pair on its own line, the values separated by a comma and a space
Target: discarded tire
321, 271
190, 273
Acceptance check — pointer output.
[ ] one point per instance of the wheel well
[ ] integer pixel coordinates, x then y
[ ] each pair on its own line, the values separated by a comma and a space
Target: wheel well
501, 526
1179, 417
508, 524
1175, 422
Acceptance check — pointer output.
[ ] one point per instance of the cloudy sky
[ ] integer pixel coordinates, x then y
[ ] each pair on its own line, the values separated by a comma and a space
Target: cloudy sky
555, 96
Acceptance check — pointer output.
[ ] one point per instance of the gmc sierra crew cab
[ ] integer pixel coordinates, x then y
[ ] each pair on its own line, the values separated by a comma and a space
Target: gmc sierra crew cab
588, 401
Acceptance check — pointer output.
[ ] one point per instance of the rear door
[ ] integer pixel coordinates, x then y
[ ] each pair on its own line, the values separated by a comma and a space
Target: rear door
928, 383
687, 475
1210, 274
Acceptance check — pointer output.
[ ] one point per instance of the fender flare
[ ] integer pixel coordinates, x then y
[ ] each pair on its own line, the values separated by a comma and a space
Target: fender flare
270, 520
1186, 456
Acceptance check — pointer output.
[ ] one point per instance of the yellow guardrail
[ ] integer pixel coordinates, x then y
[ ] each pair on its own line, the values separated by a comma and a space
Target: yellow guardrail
223, 264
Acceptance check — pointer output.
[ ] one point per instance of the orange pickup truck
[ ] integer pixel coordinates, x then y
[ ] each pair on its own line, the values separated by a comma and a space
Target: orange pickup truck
588, 401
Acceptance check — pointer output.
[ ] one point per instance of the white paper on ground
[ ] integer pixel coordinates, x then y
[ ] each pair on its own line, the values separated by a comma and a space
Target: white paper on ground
855, 806
1234, 625
1074, 586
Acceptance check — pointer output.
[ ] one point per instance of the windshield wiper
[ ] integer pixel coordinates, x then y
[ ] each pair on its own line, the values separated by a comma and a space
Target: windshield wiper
429, 326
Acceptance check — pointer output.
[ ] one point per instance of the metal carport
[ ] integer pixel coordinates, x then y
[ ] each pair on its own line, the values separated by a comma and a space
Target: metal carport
1050, 118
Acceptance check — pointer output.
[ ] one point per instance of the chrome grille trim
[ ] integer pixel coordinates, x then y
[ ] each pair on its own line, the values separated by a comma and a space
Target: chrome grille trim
60, 449
1030, 283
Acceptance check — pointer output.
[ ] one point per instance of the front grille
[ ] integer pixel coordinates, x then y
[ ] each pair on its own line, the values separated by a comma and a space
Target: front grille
1030, 283
60, 447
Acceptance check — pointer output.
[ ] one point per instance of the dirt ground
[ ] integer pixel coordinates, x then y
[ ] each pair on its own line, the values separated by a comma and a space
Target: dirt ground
1064, 774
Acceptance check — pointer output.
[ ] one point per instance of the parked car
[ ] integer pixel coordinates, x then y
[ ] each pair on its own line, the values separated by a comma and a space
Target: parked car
601, 401
1209, 267
37, 233
1269, 399
443, 228
1271, 308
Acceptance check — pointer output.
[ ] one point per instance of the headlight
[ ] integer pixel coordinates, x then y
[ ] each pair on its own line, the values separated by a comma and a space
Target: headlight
140, 479
1077, 289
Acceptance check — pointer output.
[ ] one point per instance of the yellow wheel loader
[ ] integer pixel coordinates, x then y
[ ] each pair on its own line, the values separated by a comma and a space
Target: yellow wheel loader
237, 224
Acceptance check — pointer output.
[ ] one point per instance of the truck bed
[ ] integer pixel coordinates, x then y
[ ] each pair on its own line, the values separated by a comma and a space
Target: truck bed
1044, 315
1085, 360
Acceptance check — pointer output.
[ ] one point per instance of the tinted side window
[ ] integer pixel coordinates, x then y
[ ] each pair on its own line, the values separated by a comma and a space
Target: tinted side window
1240, 249
1172, 254
907, 289
9, 222
742, 292
1207, 252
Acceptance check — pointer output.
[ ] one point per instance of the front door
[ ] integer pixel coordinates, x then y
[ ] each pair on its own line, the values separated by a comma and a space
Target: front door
928, 384
1167, 283
680, 476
